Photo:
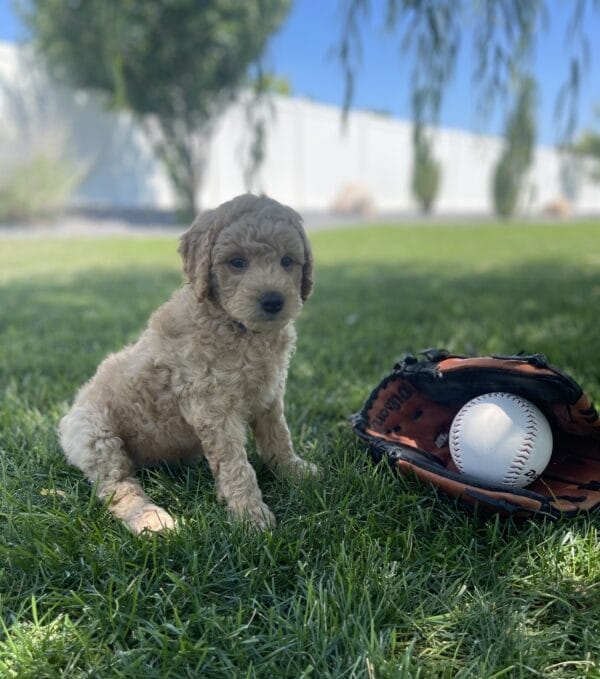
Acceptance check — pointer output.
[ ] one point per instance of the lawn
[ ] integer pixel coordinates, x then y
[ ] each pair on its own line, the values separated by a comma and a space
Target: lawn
366, 575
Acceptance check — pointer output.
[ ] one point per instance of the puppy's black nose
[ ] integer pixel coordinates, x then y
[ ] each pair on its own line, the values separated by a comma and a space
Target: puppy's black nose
271, 302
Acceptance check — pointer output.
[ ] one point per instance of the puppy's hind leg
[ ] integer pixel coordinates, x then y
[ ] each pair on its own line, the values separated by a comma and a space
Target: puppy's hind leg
91, 445
128, 502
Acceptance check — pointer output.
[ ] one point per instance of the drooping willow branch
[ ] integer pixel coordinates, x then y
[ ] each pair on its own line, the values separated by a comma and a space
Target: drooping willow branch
503, 36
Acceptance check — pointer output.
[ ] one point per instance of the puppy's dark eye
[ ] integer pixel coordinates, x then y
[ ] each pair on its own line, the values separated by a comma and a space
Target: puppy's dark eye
286, 262
238, 263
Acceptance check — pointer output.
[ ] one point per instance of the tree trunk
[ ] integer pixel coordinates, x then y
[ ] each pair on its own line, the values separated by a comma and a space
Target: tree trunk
183, 154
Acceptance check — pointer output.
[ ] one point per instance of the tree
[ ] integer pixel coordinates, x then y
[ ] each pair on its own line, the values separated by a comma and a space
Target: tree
518, 153
258, 113
587, 148
426, 171
503, 35
589, 145
176, 64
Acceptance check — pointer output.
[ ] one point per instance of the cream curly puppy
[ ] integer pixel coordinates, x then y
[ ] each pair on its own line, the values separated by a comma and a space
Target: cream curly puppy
212, 361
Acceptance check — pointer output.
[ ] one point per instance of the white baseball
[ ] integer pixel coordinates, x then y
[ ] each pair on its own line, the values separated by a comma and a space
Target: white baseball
501, 438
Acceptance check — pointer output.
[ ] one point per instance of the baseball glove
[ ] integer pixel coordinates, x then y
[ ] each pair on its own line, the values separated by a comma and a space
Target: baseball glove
408, 416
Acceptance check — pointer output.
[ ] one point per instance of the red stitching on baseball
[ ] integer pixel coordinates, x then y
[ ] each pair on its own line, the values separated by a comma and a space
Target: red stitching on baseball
524, 452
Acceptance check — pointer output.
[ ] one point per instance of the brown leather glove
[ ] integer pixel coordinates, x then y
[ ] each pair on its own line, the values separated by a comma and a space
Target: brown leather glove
408, 416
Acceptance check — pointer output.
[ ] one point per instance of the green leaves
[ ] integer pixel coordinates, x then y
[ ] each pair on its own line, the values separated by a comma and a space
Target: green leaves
518, 153
426, 171
176, 64
502, 34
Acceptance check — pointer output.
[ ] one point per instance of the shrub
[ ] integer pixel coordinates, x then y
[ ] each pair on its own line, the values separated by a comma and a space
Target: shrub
518, 152
37, 186
506, 188
426, 172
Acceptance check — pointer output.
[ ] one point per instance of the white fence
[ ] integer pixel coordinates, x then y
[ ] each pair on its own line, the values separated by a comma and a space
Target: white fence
310, 158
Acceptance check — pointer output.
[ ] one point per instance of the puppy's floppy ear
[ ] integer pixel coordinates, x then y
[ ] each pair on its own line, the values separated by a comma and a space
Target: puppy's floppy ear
197, 243
307, 268
195, 248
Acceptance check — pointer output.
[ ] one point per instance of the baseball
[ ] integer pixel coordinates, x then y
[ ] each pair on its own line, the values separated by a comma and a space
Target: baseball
501, 438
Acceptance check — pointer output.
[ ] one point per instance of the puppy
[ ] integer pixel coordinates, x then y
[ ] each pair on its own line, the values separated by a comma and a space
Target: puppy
212, 361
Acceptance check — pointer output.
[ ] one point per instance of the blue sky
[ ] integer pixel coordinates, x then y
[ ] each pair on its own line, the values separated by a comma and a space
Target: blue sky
302, 53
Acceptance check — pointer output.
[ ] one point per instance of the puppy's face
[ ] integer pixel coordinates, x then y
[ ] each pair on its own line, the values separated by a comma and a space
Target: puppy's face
257, 271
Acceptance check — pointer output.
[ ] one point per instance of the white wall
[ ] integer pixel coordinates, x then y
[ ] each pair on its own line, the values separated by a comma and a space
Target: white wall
116, 164
309, 158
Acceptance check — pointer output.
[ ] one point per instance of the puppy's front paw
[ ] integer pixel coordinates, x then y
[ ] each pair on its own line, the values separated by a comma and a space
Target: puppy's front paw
298, 468
151, 518
256, 514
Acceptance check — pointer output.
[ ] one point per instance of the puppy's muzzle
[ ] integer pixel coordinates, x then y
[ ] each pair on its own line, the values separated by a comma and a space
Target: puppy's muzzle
271, 302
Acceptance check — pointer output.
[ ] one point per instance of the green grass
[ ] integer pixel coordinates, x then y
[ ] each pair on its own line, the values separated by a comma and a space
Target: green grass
366, 575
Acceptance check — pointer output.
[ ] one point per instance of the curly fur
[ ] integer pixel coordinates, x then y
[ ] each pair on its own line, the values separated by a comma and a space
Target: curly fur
211, 362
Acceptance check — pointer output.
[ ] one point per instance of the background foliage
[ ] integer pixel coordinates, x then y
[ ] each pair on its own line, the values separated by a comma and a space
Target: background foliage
511, 171
39, 186
427, 173
503, 36
175, 64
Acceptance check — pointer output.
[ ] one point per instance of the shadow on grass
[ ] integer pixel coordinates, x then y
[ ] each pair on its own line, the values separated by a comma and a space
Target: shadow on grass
363, 318
54, 333
360, 319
